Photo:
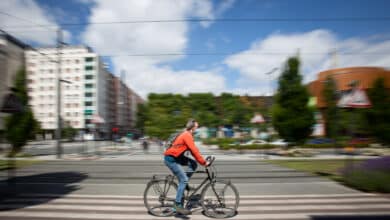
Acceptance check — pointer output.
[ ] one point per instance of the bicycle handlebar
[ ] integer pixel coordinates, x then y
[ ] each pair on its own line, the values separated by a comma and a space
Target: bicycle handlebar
210, 159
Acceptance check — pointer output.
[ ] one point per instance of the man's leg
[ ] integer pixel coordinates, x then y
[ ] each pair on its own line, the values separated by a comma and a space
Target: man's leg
178, 171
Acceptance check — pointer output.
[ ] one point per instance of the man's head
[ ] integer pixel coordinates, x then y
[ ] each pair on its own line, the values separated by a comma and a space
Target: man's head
191, 125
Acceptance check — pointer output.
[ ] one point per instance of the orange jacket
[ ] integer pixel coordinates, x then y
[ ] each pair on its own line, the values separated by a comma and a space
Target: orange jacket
184, 142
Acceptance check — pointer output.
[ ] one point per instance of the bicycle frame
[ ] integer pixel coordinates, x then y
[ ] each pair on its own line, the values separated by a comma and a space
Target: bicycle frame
210, 178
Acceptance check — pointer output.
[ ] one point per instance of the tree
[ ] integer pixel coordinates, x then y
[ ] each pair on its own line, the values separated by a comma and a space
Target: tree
68, 131
379, 115
21, 126
292, 118
141, 117
331, 112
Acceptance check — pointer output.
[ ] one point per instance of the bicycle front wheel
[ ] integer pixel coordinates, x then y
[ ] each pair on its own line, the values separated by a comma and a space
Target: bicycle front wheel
220, 199
159, 197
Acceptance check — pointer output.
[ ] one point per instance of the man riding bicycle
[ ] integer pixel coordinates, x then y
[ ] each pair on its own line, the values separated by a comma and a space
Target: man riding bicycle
174, 159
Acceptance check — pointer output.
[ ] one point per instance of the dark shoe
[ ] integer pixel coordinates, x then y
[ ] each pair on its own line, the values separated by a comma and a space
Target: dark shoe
180, 210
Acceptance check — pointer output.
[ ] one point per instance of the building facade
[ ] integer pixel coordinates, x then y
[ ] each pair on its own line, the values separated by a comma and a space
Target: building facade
364, 76
11, 61
83, 91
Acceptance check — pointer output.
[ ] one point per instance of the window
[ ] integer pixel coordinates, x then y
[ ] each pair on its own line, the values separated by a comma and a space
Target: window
50, 70
88, 59
41, 88
88, 86
77, 78
67, 70
88, 67
77, 61
88, 76
88, 94
88, 103
77, 70
67, 105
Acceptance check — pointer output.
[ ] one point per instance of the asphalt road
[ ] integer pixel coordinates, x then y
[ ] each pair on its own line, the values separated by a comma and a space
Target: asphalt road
111, 187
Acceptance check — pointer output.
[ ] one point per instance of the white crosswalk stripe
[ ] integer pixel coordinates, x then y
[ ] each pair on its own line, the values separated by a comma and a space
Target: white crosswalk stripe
283, 207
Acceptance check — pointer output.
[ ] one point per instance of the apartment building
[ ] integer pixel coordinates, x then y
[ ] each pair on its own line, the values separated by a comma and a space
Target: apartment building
84, 94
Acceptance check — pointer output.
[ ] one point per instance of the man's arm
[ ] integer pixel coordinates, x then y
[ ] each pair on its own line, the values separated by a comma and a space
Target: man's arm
189, 141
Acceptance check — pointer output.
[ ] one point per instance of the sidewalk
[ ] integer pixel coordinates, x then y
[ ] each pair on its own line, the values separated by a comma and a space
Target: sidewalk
155, 153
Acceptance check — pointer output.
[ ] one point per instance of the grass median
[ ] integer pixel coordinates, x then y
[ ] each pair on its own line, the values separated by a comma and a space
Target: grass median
363, 175
5, 164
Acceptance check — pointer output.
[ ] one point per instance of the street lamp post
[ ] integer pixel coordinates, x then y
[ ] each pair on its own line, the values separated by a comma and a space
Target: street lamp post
59, 125
59, 80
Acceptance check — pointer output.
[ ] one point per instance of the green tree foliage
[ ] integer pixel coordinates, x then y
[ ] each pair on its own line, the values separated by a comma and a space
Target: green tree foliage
292, 118
331, 112
141, 117
68, 131
21, 126
165, 113
379, 115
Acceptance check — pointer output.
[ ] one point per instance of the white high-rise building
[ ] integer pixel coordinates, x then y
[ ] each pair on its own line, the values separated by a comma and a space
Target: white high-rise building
82, 99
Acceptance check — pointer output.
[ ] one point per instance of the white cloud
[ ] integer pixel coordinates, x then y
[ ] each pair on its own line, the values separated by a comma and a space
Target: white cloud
314, 47
31, 11
148, 74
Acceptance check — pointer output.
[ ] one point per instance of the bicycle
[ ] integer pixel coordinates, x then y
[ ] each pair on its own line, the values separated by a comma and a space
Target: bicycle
218, 199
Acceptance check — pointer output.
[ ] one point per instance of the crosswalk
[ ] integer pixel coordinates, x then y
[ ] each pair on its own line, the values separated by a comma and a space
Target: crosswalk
283, 207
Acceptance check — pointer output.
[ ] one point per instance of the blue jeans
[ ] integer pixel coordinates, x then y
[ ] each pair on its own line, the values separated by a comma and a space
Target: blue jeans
175, 165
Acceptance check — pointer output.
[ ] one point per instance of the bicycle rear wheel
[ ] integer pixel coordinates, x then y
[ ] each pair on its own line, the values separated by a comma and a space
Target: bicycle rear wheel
220, 199
159, 197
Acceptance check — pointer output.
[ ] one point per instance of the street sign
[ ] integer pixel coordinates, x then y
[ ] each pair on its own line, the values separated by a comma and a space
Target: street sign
258, 118
96, 119
355, 99
12, 104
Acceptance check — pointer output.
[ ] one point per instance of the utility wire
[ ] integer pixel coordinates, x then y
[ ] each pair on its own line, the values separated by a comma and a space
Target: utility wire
28, 21
234, 53
317, 19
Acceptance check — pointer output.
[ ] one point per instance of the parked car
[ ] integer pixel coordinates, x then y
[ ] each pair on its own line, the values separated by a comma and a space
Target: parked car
279, 142
254, 142
320, 141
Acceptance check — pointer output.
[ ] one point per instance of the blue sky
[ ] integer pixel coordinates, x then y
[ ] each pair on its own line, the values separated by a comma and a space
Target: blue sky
245, 46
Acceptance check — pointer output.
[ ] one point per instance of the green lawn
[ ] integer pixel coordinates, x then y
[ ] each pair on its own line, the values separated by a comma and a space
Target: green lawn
18, 163
329, 168
365, 180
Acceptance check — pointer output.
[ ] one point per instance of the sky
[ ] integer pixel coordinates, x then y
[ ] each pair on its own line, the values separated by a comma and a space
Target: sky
203, 51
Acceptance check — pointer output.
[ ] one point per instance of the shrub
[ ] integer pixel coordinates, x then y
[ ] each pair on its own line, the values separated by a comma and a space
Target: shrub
371, 175
246, 147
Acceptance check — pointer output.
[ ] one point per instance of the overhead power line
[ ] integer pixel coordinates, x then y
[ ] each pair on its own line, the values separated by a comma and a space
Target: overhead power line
238, 53
29, 21
307, 19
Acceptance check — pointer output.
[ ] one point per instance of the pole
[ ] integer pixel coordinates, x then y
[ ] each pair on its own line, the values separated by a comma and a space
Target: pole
59, 124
